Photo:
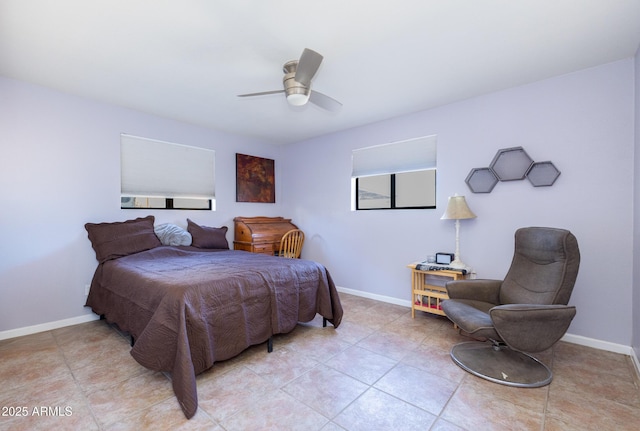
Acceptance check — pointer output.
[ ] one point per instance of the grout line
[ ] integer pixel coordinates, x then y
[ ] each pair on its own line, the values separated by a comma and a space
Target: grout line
75, 381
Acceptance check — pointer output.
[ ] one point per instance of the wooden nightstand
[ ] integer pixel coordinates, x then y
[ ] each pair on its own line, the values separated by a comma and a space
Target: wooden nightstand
427, 288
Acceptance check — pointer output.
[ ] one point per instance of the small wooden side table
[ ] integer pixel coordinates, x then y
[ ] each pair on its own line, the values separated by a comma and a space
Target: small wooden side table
427, 288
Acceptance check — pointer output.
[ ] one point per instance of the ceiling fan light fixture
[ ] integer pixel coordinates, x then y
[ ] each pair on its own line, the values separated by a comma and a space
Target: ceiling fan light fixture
297, 93
298, 99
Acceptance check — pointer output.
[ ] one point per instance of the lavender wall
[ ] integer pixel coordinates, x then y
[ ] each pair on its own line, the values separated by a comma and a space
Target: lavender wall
583, 122
60, 168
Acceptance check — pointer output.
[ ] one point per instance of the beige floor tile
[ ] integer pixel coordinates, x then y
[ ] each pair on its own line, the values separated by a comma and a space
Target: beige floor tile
114, 403
98, 345
49, 418
444, 337
588, 410
28, 343
80, 335
612, 387
222, 395
388, 345
376, 410
605, 375
476, 409
353, 304
325, 390
366, 317
533, 399
101, 371
388, 312
435, 361
332, 427
417, 329
590, 360
165, 416
442, 425
351, 332
362, 364
419, 388
278, 412
280, 366
320, 344
53, 402
44, 359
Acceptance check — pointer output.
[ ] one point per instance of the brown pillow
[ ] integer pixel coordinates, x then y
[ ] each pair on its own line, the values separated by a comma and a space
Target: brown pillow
208, 237
114, 240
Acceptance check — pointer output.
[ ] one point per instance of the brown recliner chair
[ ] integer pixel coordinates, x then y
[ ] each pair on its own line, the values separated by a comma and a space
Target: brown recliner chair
525, 313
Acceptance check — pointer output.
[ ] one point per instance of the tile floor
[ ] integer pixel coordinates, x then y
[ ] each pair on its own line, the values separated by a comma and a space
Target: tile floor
381, 370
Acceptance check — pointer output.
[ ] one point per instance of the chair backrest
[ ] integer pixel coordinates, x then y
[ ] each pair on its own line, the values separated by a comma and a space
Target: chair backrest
544, 267
291, 244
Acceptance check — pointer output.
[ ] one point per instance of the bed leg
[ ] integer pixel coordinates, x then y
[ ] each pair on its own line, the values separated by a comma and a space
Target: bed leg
270, 344
324, 322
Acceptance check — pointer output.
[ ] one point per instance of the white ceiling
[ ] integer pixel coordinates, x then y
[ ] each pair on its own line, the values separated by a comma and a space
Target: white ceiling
188, 59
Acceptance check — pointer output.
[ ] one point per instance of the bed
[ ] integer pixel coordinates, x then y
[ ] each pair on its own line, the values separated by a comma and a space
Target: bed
187, 307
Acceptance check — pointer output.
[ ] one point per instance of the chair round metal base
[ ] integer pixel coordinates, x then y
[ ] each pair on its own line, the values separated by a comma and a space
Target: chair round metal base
501, 365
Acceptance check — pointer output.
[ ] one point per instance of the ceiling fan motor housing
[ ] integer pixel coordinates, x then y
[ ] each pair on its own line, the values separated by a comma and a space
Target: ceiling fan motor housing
297, 93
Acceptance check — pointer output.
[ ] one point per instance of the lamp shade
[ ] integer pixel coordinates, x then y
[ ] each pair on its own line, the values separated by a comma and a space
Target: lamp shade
457, 209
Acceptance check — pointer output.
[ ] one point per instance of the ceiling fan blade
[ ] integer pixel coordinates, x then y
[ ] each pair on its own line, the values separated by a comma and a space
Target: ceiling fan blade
262, 93
324, 101
307, 66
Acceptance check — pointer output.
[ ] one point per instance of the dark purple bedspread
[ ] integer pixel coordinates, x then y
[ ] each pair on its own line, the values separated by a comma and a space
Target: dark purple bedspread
187, 309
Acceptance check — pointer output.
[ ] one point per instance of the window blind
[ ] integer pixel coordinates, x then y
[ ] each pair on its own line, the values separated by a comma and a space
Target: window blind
404, 156
156, 168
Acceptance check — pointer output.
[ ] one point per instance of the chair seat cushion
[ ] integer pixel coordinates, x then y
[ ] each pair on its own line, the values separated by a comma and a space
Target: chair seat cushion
471, 316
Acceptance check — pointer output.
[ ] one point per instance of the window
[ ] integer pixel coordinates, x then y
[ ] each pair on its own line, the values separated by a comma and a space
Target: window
400, 175
162, 175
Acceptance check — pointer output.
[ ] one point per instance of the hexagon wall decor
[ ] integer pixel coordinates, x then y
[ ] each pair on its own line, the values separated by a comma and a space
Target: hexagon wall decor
543, 174
511, 164
481, 180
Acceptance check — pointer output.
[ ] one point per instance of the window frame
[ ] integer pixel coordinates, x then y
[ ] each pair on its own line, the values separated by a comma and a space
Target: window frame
392, 194
169, 204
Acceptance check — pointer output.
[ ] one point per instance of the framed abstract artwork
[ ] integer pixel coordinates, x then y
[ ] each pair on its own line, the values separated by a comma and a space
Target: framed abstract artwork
255, 179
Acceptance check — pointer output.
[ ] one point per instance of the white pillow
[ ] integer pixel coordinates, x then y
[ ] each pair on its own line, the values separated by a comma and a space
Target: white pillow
171, 234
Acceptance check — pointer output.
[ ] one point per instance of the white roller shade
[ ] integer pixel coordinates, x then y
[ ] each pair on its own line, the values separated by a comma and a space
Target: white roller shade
163, 169
404, 156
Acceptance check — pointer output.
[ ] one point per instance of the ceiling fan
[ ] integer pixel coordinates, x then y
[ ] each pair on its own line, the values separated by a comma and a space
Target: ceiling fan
297, 83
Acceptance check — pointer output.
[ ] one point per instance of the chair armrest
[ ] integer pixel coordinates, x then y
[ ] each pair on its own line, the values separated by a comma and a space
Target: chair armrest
531, 327
476, 289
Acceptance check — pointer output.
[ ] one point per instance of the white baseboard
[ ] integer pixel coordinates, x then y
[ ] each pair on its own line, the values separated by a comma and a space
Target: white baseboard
375, 296
598, 344
28, 330
569, 338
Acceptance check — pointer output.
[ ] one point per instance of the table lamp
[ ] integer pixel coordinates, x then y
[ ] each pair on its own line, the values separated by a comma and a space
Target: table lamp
457, 209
